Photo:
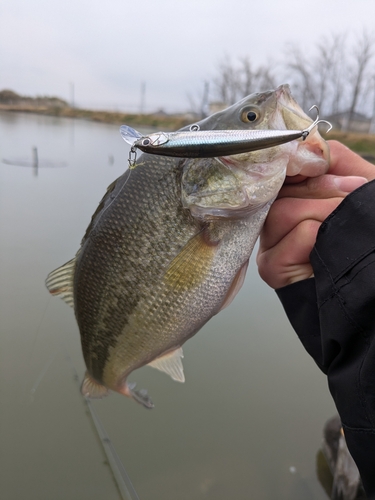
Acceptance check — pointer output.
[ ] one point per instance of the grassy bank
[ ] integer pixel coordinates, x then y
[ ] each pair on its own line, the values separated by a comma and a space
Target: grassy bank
363, 144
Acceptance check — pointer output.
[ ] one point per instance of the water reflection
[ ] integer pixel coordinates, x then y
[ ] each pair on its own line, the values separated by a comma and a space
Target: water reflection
34, 162
253, 404
336, 469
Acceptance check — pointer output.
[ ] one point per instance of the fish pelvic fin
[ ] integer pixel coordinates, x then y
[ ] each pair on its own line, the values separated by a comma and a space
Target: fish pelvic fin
191, 265
60, 282
171, 364
140, 396
92, 389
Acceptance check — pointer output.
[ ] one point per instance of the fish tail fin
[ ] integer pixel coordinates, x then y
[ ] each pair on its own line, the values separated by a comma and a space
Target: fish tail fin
140, 396
90, 388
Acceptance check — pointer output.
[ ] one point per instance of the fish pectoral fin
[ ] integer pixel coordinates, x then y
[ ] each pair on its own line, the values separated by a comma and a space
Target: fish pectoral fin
171, 364
236, 286
191, 265
90, 388
60, 282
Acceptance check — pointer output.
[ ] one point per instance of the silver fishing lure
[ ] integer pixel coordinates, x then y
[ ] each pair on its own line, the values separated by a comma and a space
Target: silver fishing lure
196, 143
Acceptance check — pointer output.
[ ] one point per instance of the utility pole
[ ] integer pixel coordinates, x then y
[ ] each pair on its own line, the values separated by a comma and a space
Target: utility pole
205, 103
372, 124
71, 88
143, 98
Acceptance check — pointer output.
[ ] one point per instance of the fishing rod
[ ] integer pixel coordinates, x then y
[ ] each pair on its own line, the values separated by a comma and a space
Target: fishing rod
120, 475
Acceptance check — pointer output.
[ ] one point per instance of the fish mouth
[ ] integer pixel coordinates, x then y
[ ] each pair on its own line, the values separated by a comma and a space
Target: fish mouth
294, 116
283, 90
311, 157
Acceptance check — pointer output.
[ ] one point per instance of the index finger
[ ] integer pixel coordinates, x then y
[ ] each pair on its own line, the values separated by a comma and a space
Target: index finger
345, 162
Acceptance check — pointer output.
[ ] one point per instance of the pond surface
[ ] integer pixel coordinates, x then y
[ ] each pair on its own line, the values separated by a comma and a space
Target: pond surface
246, 424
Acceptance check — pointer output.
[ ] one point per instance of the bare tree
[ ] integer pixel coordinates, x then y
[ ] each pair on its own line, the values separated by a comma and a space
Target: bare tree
226, 82
199, 104
334, 78
372, 125
237, 80
301, 75
252, 80
359, 78
337, 75
328, 68
318, 79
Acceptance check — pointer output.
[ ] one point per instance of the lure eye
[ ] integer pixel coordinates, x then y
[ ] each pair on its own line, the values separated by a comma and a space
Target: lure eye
146, 142
250, 114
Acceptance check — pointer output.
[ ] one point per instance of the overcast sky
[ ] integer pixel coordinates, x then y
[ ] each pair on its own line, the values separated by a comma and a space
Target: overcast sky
108, 48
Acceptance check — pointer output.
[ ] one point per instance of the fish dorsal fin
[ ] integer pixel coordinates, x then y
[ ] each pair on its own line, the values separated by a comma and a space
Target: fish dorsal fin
191, 265
236, 285
60, 282
171, 364
90, 388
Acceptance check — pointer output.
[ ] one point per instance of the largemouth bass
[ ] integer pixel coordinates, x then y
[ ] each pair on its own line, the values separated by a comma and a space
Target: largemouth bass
169, 244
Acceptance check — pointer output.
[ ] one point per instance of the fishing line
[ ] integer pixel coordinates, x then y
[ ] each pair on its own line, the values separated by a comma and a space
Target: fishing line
30, 394
40, 378
113, 198
120, 475
40, 324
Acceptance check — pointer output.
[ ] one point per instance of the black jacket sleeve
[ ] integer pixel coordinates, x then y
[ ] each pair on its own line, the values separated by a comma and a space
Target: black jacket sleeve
334, 317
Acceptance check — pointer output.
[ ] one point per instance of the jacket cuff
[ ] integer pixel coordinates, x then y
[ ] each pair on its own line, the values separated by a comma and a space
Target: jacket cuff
300, 304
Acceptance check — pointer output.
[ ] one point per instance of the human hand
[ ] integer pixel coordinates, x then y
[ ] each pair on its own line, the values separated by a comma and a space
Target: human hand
290, 230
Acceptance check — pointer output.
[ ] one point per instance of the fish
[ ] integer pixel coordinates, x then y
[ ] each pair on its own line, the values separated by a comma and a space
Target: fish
169, 244
346, 482
196, 143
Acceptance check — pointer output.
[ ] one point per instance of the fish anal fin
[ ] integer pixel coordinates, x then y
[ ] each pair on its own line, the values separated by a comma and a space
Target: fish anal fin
191, 265
171, 364
90, 388
235, 286
60, 282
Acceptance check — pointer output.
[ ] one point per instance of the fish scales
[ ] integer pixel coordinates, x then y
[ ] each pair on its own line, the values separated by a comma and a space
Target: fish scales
129, 304
115, 240
169, 244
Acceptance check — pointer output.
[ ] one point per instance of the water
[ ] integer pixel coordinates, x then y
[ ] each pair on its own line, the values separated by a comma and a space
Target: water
246, 424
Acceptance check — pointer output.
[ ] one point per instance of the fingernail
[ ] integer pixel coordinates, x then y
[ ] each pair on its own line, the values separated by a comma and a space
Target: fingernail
349, 183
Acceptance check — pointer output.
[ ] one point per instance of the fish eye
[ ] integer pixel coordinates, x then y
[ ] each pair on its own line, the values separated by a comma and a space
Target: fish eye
146, 142
250, 114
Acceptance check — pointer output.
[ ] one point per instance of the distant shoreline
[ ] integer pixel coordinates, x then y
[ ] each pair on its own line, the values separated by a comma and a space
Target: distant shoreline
363, 144
164, 122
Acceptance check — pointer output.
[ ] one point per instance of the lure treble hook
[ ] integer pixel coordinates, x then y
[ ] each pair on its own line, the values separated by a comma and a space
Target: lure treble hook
316, 122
